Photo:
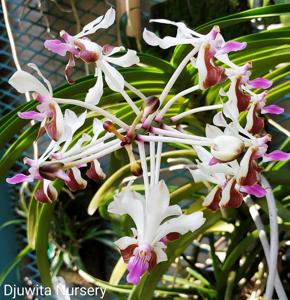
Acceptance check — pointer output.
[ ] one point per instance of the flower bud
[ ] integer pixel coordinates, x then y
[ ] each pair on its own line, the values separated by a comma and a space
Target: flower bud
227, 148
151, 105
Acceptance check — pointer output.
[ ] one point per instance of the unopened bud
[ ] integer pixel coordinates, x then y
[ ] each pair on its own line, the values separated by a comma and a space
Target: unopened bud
227, 148
109, 126
136, 169
151, 105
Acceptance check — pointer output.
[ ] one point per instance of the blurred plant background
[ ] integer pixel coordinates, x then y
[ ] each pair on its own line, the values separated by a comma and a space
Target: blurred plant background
223, 260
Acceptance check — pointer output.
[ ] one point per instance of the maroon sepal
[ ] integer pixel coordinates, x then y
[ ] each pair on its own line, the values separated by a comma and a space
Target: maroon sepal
54, 121
128, 252
258, 123
48, 197
212, 200
215, 74
92, 171
75, 182
231, 198
242, 98
153, 261
252, 171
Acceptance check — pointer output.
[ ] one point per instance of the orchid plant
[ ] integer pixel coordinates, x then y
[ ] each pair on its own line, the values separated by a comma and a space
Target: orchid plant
228, 155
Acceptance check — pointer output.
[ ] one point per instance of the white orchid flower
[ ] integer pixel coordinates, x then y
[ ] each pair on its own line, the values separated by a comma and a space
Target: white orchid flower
208, 46
80, 46
156, 222
49, 112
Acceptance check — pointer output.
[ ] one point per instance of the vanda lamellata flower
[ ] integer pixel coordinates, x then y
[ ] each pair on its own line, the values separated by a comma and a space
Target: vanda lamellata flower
80, 46
156, 223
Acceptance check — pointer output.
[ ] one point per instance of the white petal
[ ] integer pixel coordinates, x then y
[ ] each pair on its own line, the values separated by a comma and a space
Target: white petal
219, 120
201, 66
35, 67
131, 203
160, 253
77, 146
126, 60
181, 224
113, 78
95, 93
125, 241
168, 41
151, 38
182, 28
231, 111
212, 131
204, 155
103, 22
173, 210
210, 197
199, 176
97, 127
73, 121
157, 206
24, 82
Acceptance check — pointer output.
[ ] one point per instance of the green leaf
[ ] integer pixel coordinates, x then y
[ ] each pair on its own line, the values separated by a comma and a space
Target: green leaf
13, 264
11, 222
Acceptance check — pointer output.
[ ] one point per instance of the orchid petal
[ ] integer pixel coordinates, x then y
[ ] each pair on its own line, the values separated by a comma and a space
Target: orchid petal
160, 253
95, 93
55, 124
212, 131
60, 48
247, 174
35, 68
260, 83
212, 200
113, 77
272, 109
127, 60
231, 197
97, 127
75, 182
136, 267
19, 178
181, 224
151, 38
46, 193
232, 46
32, 115
131, 203
276, 155
125, 242
158, 209
95, 171
255, 190
102, 22
24, 82
219, 120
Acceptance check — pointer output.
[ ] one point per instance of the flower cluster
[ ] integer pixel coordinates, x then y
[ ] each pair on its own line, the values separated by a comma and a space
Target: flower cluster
227, 156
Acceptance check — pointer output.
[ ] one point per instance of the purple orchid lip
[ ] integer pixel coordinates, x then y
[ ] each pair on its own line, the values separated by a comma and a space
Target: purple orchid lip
276, 155
32, 115
19, 178
137, 267
255, 190
233, 46
260, 83
272, 109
